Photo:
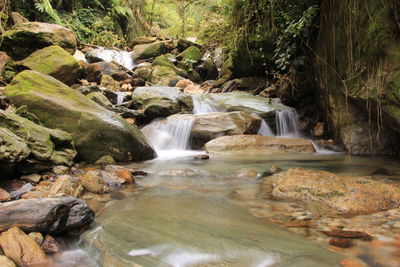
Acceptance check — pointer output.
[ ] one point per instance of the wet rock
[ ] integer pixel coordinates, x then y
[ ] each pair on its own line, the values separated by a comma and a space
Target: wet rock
89, 124
61, 170
25, 38
349, 234
257, 144
50, 245
108, 82
142, 40
202, 157
56, 62
32, 178
67, 185
21, 248
93, 183
247, 173
100, 99
273, 170
343, 194
38, 237
105, 160
21, 190
164, 76
110, 178
4, 195
124, 173
6, 262
341, 242
46, 215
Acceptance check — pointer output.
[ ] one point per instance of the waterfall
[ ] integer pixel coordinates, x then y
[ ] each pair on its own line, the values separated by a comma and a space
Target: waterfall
287, 123
122, 57
120, 97
265, 130
203, 106
169, 134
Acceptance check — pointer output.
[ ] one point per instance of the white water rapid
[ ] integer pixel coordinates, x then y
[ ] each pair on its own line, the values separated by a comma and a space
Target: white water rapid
203, 106
287, 123
120, 97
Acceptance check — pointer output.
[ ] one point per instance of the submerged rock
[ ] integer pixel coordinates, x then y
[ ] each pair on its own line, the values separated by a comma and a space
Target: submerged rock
22, 249
257, 144
46, 215
91, 126
56, 62
344, 194
25, 38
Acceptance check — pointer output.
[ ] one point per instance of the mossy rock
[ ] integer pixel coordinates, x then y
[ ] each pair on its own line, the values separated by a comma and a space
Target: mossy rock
159, 108
96, 131
26, 38
165, 76
190, 54
100, 99
153, 50
46, 147
163, 61
56, 62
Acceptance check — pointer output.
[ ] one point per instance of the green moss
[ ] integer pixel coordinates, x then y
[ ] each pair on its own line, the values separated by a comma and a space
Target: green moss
154, 50
163, 61
191, 54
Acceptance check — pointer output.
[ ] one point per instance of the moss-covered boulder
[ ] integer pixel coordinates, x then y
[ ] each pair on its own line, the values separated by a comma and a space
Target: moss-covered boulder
56, 62
30, 146
25, 38
188, 58
96, 131
164, 76
146, 51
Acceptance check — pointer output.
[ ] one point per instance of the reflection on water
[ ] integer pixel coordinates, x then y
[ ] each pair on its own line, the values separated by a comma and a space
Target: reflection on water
191, 219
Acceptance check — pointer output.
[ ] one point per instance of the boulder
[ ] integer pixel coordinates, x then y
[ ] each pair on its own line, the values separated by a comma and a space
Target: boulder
164, 76
56, 62
210, 126
184, 44
22, 249
34, 144
146, 51
257, 144
25, 38
100, 99
16, 18
171, 93
208, 70
4, 59
91, 126
4, 195
66, 185
344, 194
191, 54
93, 183
95, 71
46, 215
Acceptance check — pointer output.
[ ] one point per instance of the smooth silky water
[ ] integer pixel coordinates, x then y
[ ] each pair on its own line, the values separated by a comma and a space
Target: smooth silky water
191, 217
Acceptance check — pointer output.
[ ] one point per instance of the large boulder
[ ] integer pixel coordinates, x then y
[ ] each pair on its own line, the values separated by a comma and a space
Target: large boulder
25, 38
164, 76
257, 144
345, 194
95, 71
96, 131
46, 215
22, 248
246, 102
145, 51
30, 145
56, 62
210, 126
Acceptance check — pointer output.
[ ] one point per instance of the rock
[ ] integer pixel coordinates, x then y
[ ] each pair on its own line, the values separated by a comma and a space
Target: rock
68, 185
24, 39
111, 179
13, 148
164, 60
150, 50
105, 160
100, 99
16, 18
21, 248
38, 191
4, 59
50, 245
183, 84
124, 173
189, 57
80, 56
56, 62
349, 234
164, 76
170, 93
318, 130
93, 183
46, 215
208, 70
251, 83
6, 262
184, 44
109, 83
142, 40
257, 144
4, 195
341, 242
90, 125
33, 178
202, 157
61, 170
44, 147
246, 102
25, 188
95, 71
247, 173
38, 237
343, 194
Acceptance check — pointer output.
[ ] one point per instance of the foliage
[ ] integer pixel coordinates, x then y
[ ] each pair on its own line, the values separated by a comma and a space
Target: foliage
44, 6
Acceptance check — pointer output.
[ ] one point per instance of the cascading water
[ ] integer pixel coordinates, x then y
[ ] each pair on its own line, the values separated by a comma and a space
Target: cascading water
123, 58
265, 130
203, 106
287, 123
120, 97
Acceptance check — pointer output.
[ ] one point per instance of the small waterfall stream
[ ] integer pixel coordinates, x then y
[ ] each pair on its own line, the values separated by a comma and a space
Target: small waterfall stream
120, 97
203, 106
287, 123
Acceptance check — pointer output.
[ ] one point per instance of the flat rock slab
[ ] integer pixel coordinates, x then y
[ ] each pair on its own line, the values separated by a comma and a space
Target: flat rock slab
257, 144
46, 215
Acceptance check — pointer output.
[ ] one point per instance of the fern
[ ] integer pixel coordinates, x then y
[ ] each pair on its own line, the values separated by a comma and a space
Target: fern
44, 6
